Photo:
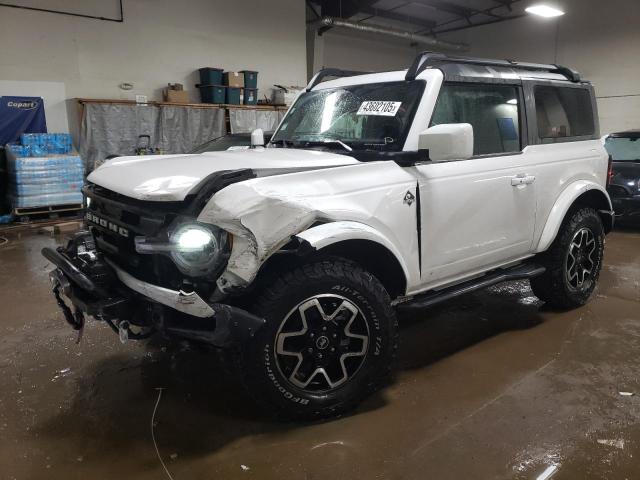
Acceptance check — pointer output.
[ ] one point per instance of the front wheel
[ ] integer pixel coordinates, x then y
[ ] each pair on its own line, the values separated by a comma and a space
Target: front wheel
573, 261
329, 341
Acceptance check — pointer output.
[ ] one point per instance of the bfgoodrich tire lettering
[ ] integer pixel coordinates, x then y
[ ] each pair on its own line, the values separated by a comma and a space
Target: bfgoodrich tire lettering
573, 261
339, 318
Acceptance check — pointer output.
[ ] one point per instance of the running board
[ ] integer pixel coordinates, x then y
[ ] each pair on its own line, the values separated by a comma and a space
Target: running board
519, 272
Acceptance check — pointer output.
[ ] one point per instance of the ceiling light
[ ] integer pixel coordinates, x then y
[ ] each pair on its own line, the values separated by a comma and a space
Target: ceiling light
513, 101
544, 11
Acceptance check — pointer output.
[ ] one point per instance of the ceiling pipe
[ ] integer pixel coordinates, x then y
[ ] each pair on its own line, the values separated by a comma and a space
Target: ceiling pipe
392, 32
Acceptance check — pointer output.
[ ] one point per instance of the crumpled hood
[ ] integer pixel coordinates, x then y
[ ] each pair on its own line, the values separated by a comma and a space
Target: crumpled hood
172, 177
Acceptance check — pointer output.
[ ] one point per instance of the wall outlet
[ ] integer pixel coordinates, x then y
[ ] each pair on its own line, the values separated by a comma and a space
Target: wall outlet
141, 99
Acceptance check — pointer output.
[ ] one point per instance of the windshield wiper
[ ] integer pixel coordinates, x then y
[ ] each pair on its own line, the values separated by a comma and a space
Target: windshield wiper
284, 143
328, 141
339, 142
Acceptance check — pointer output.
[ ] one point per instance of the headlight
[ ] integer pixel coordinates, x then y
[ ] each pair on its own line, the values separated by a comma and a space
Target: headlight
196, 249
193, 238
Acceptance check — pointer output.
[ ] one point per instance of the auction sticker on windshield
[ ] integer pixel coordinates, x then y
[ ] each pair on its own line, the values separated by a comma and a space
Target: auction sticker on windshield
378, 107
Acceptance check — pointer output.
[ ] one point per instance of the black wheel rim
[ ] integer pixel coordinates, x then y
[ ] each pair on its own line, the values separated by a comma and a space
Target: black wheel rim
322, 343
581, 260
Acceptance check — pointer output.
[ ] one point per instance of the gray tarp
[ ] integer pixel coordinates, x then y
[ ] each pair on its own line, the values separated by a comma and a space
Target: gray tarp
245, 121
113, 129
183, 128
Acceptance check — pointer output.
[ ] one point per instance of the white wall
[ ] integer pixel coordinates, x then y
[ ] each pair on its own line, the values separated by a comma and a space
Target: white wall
600, 39
160, 41
340, 48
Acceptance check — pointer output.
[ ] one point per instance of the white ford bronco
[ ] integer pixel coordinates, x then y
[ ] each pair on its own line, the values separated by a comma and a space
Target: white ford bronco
377, 192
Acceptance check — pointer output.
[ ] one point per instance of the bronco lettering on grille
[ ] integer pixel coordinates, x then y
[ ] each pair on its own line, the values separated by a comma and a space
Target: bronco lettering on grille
107, 224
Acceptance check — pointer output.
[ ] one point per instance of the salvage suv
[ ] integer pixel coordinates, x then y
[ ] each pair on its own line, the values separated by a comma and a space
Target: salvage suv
378, 192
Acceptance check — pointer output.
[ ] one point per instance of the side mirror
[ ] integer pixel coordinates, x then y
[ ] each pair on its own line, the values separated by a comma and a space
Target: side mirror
450, 141
257, 138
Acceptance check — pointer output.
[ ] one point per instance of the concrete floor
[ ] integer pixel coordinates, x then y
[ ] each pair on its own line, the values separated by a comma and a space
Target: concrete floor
491, 385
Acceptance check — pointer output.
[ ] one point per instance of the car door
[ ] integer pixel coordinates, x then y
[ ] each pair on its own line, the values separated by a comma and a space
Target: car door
477, 213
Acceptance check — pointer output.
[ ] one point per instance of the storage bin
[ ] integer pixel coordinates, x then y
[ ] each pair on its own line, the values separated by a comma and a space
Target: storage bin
212, 93
233, 96
250, 96
210, 76
250, 79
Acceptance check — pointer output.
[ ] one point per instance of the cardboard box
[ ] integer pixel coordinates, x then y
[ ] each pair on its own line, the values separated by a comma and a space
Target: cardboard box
176, 96
234, 79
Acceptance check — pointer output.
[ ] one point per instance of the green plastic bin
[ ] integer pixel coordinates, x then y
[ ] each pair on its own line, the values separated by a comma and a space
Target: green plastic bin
212, 93
250, 96
210, 76
250, 79
233, 95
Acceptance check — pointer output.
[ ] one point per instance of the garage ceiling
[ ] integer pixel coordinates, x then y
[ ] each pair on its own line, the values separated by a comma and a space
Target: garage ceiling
419, 16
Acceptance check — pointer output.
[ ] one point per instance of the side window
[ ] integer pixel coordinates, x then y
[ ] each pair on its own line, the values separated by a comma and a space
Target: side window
492, 110
563, 112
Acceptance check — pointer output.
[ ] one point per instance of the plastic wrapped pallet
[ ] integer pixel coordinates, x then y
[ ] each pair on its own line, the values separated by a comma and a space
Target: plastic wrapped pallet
44, 181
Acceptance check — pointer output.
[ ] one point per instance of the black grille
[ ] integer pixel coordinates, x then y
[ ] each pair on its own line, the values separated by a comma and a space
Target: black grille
116, 220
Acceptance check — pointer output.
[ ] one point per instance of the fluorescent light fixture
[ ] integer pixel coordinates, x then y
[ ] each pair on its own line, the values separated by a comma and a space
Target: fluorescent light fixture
513, 101
543, 10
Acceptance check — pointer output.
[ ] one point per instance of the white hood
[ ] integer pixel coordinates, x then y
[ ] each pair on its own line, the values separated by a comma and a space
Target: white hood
171, 177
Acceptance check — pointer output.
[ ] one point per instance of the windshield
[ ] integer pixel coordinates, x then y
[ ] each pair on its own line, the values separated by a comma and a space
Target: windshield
623, 148
373, 116
223, 143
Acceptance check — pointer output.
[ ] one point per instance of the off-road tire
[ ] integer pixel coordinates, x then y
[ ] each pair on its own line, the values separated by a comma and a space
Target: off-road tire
257, 361
554, 286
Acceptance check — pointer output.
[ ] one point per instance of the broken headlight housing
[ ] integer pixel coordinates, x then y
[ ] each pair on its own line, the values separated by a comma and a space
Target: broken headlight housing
197, 249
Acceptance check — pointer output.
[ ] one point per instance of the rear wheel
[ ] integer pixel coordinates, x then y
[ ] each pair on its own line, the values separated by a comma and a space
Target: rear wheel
573, 261
329, 341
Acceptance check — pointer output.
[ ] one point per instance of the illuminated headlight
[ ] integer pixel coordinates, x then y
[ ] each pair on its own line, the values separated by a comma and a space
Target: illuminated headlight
196, 249
193, 238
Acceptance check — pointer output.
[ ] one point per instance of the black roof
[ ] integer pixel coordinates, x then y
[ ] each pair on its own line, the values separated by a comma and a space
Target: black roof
626, 134
455, 67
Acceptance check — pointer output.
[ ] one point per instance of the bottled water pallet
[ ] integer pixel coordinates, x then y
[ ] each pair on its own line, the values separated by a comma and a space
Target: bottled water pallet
51, 210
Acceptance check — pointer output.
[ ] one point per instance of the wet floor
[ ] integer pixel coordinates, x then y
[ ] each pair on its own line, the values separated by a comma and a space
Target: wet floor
491, 385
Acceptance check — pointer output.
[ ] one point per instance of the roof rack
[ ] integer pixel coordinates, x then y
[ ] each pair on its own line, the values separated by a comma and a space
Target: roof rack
331, 72
430, 59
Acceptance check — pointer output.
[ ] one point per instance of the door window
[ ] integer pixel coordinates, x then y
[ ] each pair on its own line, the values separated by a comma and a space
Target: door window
492, 110
563, 112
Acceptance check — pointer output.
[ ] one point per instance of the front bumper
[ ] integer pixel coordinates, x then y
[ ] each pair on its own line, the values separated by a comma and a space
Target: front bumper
122, 300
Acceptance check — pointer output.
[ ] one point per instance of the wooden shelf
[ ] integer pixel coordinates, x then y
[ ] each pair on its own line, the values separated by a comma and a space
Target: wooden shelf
83, 101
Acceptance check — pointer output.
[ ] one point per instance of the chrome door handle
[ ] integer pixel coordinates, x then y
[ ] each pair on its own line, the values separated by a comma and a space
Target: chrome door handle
522, 180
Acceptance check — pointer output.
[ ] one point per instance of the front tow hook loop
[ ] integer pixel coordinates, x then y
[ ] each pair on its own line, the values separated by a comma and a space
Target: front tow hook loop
123, 331
75, 318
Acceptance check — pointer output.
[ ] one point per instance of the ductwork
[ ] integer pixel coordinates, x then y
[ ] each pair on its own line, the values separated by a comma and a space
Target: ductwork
409, 36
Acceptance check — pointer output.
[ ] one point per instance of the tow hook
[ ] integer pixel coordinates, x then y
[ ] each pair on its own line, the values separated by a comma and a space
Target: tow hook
75, 318
123, 331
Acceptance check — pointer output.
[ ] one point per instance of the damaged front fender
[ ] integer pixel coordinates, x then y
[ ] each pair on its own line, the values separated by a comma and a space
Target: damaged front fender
260, 225
363, 201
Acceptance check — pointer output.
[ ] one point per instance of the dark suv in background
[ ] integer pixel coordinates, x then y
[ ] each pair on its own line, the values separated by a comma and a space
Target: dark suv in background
624, 184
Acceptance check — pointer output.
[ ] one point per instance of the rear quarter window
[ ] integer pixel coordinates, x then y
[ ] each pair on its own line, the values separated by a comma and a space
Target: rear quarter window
563, 113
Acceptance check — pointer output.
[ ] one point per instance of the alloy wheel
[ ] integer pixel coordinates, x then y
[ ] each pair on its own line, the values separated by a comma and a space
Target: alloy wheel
581, 261
322, 343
